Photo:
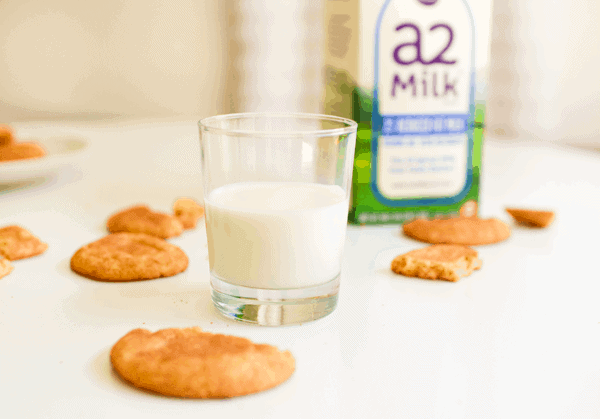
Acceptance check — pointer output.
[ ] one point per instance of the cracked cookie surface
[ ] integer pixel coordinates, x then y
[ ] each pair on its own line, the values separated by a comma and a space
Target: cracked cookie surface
141, 219
129, 257
441, 261
196, 364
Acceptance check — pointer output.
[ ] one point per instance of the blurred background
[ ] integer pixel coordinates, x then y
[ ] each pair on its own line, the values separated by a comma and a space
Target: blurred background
187, 59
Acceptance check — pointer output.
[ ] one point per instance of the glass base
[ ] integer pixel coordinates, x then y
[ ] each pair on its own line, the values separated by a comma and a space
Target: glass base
269, 307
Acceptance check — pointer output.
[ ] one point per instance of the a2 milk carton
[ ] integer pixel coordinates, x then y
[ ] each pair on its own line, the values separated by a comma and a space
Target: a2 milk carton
413, 74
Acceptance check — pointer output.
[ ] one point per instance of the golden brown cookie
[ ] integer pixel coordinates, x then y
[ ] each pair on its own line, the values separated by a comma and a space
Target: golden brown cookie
196, 364
5, 267
449, 262
188, 212
129, 257
140, 219
533, 218
18, 243
21, 151
6, 135
470, 231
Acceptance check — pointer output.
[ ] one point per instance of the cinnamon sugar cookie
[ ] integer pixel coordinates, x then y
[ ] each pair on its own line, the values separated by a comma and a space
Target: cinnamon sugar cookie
449, 262
533, 218
188, 212
6, 135
140, 219
470, 231
196, 364
5, 267
129, 257
21, 151
18, 243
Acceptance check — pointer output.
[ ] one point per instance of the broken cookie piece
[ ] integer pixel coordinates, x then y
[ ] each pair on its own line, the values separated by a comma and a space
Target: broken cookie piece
5, 267
18, 243
449, 262
531, 217
188, 212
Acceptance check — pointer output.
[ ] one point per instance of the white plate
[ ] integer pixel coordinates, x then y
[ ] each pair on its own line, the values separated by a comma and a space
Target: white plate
60, 151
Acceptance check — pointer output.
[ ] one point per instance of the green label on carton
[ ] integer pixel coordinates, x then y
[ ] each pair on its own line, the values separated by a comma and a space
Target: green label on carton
419, 104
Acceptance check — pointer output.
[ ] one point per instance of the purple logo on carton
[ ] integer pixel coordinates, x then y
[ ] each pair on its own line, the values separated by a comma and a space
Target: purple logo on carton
438, 81
428, 2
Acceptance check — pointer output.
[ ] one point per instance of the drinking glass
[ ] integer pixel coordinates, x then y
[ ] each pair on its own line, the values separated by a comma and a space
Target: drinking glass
276, 192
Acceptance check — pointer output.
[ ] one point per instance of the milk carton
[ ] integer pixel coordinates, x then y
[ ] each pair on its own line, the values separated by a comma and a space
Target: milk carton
413, 74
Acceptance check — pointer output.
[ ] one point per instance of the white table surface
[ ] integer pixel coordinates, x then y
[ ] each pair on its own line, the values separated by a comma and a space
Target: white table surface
518, 339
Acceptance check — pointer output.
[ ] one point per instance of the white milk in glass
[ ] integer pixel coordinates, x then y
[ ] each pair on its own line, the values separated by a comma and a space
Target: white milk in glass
276, 235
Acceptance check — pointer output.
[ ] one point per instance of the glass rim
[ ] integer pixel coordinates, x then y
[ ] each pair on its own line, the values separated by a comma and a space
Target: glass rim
350, 125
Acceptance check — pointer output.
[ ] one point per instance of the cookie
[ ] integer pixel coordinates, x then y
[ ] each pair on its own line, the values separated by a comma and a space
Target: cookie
140, 219
129, 257
5, 267
6, 135
196, 364
21, 151
449, 262
533, 218
470, 231
18, 243
188, 212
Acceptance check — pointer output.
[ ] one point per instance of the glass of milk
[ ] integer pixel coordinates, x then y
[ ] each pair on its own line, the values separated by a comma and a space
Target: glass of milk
276, 191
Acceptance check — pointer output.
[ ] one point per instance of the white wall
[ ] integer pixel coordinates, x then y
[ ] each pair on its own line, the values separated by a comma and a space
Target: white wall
276, 55
545, 70
71, 59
